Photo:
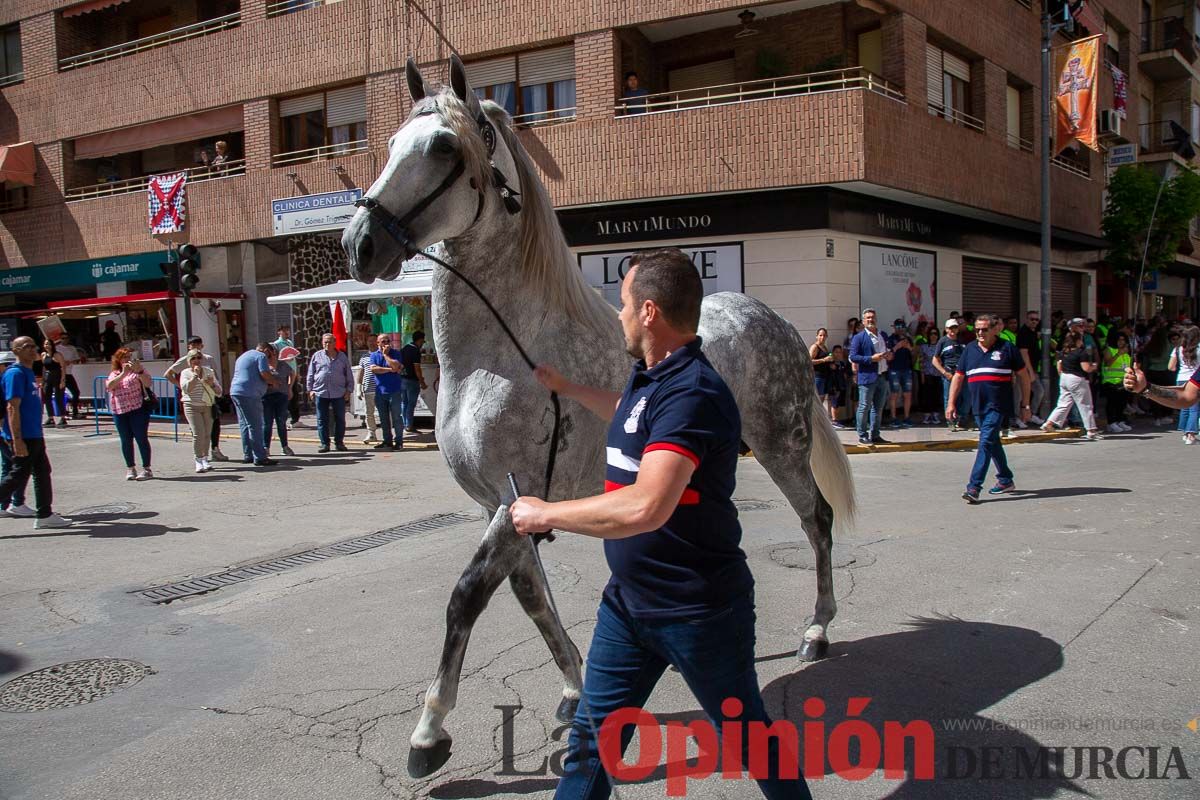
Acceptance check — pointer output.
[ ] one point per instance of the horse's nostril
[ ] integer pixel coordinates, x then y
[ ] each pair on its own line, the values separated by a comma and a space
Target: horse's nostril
366, 248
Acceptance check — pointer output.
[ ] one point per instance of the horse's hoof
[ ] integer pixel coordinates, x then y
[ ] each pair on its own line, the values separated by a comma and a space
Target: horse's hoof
813, 650
566, 710
423, 762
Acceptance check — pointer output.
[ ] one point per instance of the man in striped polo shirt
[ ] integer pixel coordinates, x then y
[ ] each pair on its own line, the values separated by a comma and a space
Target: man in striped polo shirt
988, 366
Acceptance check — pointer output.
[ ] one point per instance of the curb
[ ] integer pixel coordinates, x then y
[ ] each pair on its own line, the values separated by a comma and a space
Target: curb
185, 436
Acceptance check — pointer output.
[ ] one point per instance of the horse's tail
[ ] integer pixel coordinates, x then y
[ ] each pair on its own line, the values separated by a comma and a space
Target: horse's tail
831, 469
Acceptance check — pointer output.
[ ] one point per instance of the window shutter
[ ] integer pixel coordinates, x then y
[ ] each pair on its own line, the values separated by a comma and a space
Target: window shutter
303, 104
1013, 101
933, 72
547, 66
346, 105
990, 288
953, 65
492, 72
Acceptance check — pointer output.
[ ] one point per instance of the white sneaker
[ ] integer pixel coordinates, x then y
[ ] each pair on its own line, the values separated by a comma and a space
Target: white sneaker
199, 465
1092, 436
145, 475
1114, 428
131, 475
1189, 439
19, 511
1019, 424
1125, 427
1036, 420
52, 521
204, 463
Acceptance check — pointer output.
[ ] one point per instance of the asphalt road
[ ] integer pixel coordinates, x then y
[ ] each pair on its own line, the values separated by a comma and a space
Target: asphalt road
1058, 617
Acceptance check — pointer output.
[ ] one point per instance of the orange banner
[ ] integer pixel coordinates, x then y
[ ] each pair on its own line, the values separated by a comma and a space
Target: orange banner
1075, 93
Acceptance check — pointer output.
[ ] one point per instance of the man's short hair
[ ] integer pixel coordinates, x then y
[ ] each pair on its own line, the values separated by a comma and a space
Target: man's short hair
418, 336
992, 319
866, 311
283, 328
195, 340
630, 74
669, 278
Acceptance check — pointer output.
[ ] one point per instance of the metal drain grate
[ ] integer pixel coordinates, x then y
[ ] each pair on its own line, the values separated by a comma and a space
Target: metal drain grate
219, 580
72, 684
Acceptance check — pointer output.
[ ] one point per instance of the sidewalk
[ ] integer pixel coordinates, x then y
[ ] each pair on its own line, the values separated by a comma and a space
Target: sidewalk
906, 440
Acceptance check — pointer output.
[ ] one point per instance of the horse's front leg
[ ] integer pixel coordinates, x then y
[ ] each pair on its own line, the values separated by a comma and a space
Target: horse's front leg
495, 559
531, 590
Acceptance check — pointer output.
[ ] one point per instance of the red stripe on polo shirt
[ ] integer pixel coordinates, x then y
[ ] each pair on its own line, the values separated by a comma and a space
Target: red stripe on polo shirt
610, 486
690, 497
992, 378
674, 448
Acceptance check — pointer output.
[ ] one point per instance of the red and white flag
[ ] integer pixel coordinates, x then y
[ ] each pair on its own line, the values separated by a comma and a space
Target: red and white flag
166, 197
1120, 90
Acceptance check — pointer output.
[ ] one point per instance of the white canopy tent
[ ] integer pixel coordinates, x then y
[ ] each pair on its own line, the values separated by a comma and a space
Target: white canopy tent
414, 284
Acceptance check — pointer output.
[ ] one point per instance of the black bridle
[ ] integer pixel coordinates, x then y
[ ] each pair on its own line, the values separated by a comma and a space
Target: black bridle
398, 227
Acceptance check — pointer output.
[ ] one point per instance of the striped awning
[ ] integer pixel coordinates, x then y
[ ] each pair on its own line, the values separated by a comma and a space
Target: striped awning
18, 163
91, 5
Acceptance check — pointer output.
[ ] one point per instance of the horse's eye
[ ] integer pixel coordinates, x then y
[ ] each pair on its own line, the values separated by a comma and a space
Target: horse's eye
443, 144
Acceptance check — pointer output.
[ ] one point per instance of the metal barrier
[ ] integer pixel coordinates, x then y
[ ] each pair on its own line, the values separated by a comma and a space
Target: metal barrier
167, 407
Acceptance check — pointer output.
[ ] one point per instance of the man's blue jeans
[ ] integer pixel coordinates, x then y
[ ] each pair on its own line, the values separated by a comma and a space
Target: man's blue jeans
871, 400
389, 408
275, 415
990, 449
715, 657
1189, 417
409, 390
331, 409
6, 466
250, 423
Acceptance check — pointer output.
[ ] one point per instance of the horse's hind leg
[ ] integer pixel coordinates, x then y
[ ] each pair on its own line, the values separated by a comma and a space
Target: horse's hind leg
531, 590
789, 469
493, 561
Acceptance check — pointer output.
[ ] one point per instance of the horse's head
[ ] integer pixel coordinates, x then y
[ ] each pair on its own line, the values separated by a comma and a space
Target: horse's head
448, 167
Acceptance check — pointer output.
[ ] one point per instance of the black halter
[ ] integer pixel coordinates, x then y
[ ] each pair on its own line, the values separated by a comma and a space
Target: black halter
398, 226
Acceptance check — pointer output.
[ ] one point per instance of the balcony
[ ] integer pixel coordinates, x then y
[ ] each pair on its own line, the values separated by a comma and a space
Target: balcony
132, 185
538, 119
1020, 143
1157, 142
1076, 163
838, 80
9, 80
150, 42
277, 8
318, 153
1168, 50
951, 114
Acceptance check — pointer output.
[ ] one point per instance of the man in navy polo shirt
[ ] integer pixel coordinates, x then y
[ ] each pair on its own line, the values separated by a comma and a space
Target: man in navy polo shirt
680, 592
988, 366
389, 392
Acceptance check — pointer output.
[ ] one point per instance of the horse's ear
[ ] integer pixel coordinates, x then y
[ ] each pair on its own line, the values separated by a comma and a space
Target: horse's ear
416, 83
461, 86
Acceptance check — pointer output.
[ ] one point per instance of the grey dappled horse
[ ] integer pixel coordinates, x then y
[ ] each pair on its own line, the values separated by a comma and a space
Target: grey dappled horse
452, 173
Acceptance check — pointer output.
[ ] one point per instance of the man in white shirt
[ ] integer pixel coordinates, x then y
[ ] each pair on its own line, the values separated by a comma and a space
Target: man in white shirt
71, 357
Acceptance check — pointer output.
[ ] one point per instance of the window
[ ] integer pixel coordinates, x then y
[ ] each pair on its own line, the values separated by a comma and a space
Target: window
949, 86
1013, 115
322, 119
13, 197
531, 87
1145, 120
1147, 18
10, 53
1196, 123
1112, 46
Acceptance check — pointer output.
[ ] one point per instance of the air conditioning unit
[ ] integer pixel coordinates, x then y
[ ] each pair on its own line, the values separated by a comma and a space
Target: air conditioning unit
1110, 124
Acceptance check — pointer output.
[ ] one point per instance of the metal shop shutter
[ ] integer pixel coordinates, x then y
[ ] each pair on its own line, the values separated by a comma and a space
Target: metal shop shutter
1066, 292
990, 287
346, 105
713, 73
303, 104
271, 317
547, 66
493, 71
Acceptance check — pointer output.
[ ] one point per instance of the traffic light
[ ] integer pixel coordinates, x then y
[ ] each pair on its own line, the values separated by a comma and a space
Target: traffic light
170, 271
189, 267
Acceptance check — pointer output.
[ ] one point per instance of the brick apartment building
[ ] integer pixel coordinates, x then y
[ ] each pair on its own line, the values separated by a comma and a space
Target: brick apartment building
795, 149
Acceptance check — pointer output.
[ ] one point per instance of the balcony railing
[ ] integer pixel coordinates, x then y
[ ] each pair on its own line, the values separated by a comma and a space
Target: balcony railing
150, 42
1157, 136
315, 153
1020, 143
838, 80
540, 119
131, 185
278, 7
951, 114
9, 80
1168, 33
1072, 166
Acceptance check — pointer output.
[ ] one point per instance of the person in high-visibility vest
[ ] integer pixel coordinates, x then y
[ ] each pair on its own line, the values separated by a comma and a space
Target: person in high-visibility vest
1116, 360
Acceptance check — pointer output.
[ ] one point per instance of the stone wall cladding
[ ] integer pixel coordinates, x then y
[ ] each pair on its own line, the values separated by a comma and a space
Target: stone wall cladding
313, 260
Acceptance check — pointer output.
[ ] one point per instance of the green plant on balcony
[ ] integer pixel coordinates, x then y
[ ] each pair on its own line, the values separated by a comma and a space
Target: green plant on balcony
770, 64
1131, 194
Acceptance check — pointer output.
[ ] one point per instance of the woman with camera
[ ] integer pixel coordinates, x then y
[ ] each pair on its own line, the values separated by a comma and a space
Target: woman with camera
130, 401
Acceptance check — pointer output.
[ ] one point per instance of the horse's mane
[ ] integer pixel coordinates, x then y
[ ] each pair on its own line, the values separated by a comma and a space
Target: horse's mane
546, 260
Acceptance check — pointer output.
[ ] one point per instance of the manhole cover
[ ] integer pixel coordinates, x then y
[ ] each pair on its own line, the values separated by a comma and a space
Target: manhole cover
72, 684
111, 508
753, 505
799, 555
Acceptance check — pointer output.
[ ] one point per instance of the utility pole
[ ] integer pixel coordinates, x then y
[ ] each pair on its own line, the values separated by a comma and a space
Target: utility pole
1047, 144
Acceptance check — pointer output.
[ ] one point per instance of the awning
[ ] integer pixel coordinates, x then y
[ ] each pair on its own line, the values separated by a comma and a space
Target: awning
120, 301
18, 163
418, 284
92, 5
155, 134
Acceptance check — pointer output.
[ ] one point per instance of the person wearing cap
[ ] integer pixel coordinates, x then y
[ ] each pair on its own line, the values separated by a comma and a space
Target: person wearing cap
22, 428
175, 372
949, 350
900, 373
12, 502
988, 367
